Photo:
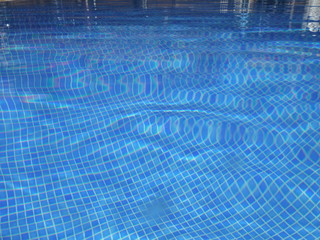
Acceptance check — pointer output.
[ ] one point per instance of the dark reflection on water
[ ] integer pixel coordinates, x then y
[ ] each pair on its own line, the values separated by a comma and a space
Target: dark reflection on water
296, 14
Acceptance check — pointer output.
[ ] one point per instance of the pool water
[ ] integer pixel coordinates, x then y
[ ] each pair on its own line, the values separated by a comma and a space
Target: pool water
159, 120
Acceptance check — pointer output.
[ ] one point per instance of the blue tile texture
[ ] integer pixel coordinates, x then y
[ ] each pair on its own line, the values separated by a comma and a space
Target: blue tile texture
158, 123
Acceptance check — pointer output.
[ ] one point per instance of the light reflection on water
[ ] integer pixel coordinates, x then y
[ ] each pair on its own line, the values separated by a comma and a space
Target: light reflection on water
297, 14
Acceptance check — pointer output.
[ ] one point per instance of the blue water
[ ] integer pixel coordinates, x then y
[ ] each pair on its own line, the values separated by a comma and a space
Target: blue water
159, 120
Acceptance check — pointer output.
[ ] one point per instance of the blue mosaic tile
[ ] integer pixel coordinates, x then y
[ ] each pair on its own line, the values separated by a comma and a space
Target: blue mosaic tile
158, 120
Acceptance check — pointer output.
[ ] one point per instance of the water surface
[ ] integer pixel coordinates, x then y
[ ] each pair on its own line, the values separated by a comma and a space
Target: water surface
159, 120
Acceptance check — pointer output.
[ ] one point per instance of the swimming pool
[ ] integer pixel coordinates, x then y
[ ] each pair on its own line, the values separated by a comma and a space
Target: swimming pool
159, 120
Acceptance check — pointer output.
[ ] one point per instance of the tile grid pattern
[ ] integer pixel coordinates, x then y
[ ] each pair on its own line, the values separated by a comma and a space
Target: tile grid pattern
157, 133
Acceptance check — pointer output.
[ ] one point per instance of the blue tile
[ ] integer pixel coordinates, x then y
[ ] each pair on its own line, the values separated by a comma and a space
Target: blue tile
98, 126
